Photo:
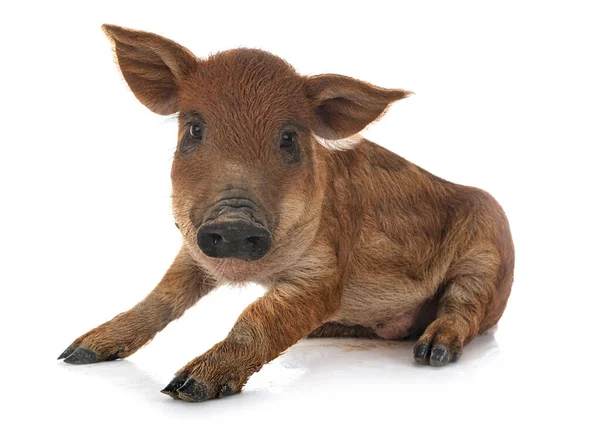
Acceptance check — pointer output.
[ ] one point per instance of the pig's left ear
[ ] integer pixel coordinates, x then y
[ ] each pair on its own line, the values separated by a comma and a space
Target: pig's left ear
152, 66
344, 106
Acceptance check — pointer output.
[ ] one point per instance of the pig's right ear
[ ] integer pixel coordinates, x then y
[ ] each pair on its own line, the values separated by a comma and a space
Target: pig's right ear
152, 66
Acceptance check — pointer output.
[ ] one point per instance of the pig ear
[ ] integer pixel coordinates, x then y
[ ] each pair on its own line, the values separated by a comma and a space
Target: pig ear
344, 106
152, 66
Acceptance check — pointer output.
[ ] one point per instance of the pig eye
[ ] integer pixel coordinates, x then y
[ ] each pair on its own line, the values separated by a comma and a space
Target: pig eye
288, 140
196, 131
189, 141
289, 146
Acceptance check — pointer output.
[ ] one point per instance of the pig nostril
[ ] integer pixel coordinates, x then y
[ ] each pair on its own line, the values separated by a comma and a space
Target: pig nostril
253, 240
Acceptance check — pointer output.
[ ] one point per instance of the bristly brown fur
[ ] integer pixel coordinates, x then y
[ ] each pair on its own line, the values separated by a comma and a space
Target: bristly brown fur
364, 243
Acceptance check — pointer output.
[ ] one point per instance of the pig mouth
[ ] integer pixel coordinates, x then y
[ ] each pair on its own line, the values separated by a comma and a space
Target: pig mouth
234, 228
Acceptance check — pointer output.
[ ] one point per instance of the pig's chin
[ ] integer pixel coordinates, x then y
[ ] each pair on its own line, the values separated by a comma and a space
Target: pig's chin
231, 270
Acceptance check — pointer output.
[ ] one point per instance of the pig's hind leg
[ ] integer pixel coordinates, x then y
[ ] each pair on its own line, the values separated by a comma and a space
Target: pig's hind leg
473, 298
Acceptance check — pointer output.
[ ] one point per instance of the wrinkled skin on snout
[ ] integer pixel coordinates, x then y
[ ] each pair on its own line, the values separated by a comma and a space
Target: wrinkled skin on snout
273, 184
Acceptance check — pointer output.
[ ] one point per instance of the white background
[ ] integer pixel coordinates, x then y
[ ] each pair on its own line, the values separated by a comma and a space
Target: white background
507, 98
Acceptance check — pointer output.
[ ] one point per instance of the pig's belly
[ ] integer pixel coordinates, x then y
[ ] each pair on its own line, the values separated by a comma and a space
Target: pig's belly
391, 311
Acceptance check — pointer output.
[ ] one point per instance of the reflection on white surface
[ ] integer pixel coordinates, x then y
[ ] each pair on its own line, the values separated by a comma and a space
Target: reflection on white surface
311, 370
354, 385
310, 362
336, 384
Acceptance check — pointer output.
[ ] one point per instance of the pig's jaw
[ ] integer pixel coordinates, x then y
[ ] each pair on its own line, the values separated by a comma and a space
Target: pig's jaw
232, 270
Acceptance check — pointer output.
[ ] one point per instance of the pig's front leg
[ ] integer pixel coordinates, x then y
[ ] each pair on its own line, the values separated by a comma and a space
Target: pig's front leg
181, 287
284, 315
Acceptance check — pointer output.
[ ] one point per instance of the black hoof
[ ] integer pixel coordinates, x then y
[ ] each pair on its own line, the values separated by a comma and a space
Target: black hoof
81, 356
188, 389
171, 388
440, 356
226, 391
193, 391
421, 353
67, 352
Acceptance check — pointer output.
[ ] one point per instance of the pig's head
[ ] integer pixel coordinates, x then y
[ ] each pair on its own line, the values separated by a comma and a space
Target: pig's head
249, 173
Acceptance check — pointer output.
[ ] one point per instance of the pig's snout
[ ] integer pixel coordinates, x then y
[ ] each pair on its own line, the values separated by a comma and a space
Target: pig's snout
234, 239
234, 235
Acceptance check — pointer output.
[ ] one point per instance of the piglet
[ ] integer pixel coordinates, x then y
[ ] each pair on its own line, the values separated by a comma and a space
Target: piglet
273, 184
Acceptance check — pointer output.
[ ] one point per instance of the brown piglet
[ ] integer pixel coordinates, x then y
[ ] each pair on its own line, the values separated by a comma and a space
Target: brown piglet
273, 184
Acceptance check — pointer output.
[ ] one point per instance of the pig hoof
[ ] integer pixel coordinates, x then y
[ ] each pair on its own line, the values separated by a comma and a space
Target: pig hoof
440, 356
67, 352
226, 390
171, 388
422, 353
76, 355
191, 390
80, 356
186, 389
